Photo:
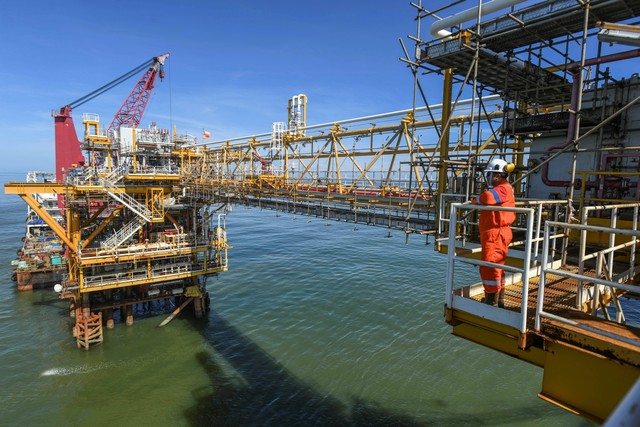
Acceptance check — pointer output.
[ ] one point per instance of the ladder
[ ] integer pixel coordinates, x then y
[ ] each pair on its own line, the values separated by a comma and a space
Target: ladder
110, 184
123, 234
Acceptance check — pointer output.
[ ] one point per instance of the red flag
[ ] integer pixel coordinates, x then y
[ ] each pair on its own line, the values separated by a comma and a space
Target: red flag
206, 135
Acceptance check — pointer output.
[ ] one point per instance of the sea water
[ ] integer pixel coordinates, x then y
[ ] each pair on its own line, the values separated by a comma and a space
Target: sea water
316, 323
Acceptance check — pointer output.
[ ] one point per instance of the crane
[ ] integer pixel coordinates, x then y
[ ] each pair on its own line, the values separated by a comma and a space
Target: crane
130, 113
68, 151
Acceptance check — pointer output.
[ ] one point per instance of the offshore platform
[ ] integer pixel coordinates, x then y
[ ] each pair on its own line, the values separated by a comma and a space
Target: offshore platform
134, 229
545, 86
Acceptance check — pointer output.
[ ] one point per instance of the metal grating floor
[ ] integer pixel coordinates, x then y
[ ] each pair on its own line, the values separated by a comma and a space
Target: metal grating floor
559, 299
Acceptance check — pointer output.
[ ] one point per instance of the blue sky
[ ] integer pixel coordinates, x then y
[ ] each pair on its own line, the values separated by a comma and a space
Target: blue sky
233, 64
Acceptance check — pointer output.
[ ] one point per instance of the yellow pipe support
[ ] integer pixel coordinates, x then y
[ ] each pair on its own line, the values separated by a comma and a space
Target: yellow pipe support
101, 226
149, 281
172, 220
44, 215
74, 229
334, 147
379, 154
444, 137
94, 216
133, 256
586, 383
33, 188
575, 378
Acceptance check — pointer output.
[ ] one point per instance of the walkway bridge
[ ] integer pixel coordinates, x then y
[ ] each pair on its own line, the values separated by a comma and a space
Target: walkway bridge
541, 92
560, 114
572, 270
565, 300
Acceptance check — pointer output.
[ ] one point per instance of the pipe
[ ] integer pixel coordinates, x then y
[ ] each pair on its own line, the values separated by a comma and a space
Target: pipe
354, 120
575, 92
570, 134
629, 54
437, 29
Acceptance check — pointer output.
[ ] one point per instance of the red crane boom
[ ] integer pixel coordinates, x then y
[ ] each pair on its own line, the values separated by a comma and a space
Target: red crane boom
68, 152
130, 113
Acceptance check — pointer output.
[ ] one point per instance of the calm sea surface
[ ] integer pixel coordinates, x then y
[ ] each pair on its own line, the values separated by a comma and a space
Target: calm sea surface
314, 324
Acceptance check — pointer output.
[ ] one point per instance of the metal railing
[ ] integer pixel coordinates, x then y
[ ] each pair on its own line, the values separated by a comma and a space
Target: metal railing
596, 281
120, 236
613, 211
551, 262
164, 272
456, 300
544, 210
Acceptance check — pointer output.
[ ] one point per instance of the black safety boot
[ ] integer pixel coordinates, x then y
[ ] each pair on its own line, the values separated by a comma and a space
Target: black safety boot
490, 299
501, 298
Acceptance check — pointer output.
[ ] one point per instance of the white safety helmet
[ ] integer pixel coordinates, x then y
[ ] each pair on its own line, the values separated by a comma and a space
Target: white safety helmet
500, 166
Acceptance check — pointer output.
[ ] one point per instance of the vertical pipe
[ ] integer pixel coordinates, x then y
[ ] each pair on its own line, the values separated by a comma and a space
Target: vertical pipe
444, 138
545, 260
476, 59
612, 241
519, 161
536, 250
525, 273
583, 238
451, 252
578, 101
596, 286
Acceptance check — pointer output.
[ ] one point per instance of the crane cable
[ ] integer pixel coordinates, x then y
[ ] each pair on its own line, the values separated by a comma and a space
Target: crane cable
78, 102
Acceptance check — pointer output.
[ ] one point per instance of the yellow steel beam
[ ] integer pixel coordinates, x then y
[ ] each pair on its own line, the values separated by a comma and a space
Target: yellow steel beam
444, 137
94, 216
51, 222
102, 226
147, 177
379, 154
315, 158
494, 335
577, 379
34, 188
336, 156
583, 382
58, 188
74, 232
150, 281
87, 261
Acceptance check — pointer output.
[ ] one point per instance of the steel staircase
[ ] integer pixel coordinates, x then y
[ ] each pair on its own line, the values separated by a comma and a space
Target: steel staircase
110, 184
123, 234
144, 215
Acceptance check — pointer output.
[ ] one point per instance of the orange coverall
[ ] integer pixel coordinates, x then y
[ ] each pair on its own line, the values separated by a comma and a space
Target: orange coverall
495, 233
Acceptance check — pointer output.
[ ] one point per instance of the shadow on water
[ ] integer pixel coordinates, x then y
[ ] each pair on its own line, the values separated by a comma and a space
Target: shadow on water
262, 392
267, 394
46, 298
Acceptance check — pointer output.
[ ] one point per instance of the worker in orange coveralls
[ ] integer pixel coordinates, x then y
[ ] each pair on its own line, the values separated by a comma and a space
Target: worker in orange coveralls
495, 228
